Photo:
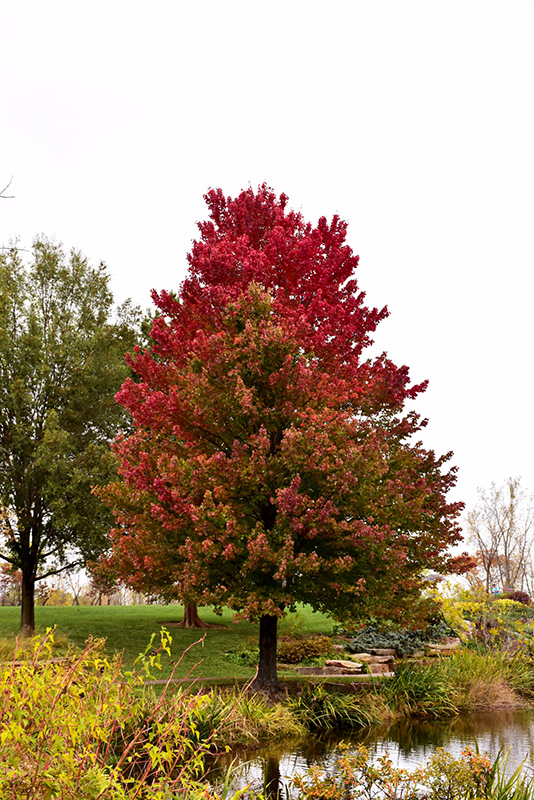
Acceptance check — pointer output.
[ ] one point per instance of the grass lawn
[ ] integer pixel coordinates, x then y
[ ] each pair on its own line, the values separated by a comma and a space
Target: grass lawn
127, 630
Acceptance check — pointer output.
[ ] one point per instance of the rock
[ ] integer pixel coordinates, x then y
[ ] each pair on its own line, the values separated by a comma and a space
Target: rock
440, 649
365, 658
313, 671
382, 659
328, 670
352, 666
379, 669
453, 641
384, 651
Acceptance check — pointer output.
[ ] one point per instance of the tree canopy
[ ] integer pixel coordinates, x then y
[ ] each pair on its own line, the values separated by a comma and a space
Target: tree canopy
271, 463
61, 363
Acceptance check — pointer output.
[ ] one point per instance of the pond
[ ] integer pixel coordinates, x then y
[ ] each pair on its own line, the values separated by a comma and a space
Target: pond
408, 745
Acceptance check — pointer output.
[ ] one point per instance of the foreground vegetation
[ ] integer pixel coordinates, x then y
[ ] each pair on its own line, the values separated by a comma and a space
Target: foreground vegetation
85, 727
86, 723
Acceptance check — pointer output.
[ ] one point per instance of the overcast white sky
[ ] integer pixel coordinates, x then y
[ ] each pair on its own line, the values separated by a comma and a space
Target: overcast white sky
412, 120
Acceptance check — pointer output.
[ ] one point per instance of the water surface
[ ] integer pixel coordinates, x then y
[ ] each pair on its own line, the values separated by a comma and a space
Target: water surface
409, 745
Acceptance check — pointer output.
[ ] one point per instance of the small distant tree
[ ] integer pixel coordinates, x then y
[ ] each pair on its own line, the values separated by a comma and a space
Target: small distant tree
501, 527
10, 585
271, 462
103, 580
75, 584
61, 363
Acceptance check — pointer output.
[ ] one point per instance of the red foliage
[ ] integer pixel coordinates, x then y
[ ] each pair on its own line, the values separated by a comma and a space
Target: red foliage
104, 577
10, 585
271, 463
462, 563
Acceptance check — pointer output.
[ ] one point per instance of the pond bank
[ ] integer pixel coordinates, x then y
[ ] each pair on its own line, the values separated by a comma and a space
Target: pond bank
469, 682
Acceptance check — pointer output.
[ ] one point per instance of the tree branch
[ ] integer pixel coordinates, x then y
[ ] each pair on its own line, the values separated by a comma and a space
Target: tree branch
7, 196
8, 559
57, 571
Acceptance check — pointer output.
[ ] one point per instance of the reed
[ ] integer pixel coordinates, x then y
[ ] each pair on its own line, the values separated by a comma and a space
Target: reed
420, 691
319, 709
484, 680
248, 720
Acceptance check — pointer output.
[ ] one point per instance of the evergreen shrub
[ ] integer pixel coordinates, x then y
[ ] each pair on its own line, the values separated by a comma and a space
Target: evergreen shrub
404, 642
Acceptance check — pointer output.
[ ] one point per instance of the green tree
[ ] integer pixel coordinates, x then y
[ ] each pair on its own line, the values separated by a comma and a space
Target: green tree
61, 363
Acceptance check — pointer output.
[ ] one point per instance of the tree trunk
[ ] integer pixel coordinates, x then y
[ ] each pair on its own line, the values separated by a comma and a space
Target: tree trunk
191, 618
27, 608
266, 677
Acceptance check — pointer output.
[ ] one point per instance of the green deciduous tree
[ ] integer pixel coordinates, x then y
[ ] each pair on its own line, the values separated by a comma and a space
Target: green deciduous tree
61, 363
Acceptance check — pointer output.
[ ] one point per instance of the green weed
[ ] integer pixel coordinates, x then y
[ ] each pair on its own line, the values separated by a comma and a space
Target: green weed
319, 709
420, 691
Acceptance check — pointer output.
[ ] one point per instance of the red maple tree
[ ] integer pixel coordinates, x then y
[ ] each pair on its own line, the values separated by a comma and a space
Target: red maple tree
271, 462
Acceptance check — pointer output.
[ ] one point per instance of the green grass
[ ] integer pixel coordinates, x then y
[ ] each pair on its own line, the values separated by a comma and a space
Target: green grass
127, 630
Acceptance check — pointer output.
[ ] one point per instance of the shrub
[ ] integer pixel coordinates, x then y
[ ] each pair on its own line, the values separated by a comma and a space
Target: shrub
470, 777
295, 649
403, 641
83, 729
518, 597
500, 623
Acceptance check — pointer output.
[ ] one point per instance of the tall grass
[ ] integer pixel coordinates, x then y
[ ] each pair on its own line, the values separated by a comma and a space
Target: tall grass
420, 691
237, 718
485, 680
468, 681
319, 709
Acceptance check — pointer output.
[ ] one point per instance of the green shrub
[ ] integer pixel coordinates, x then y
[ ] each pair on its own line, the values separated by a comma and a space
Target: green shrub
296, 649
403, 641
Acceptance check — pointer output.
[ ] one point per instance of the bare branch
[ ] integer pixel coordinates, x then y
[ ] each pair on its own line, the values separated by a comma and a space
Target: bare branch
57, 571
7, 196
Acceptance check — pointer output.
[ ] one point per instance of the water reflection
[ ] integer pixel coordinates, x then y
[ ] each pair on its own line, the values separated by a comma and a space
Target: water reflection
271, 776
408, 745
